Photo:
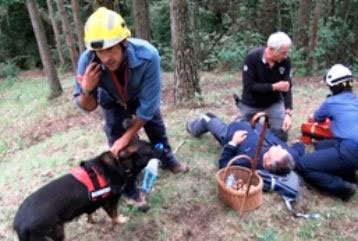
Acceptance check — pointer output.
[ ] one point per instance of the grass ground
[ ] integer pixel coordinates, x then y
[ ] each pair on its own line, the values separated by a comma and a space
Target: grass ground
40, 140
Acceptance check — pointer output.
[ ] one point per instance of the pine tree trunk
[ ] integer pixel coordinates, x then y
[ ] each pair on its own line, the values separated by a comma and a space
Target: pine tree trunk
314, 32
78, 24
303, 25
56, 32
186, 77
141, 19
50, 70
265, 17
103, 3
194, 14
66, 29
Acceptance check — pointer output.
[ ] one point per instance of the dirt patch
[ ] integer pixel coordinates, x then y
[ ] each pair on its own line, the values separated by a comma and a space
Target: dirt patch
35, 73
46, 128
147, 231
197, 219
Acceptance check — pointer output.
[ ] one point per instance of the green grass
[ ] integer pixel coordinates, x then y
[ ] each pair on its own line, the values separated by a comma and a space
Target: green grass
41, 139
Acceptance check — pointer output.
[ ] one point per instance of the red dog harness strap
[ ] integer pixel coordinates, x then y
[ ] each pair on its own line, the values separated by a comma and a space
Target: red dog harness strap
97, 185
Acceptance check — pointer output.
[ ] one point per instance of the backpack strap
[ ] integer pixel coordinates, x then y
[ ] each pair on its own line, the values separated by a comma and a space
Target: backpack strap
297, 214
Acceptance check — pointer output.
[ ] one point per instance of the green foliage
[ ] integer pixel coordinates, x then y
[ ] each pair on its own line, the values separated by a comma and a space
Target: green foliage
308, 230
161, 36
335, 39
268, 235
225, 33
8, 69
233, 49
298, 62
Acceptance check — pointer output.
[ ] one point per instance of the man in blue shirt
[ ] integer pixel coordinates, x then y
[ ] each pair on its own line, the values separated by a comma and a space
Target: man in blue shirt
332, 167
239, 137
122, 75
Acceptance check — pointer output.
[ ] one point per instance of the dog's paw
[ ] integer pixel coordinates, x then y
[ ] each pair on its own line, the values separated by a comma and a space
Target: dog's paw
120, 220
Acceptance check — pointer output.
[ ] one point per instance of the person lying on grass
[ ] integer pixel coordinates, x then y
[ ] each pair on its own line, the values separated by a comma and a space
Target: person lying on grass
238, 137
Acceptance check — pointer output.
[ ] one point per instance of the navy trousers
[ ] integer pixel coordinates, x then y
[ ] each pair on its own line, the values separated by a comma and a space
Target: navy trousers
330, 166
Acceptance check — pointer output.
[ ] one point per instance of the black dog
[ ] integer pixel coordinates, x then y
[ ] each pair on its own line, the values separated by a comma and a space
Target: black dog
42, 215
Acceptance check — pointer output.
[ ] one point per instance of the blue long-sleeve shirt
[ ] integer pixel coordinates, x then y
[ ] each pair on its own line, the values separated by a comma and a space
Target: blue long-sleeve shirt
144, 79
342, 110
248, 146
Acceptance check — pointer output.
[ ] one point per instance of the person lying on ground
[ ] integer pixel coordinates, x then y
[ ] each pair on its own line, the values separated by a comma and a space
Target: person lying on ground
239, 137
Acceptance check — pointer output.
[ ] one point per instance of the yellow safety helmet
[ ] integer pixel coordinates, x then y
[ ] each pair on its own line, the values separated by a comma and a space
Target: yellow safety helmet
105, 28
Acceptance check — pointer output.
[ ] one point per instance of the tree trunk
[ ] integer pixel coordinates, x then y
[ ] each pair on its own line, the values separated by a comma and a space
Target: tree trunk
50, 70
141, 19
56, 32
265, 17
186, 77
66, 29
194, 14
304, 20
314, 30
355, 34
103, 3
78, 24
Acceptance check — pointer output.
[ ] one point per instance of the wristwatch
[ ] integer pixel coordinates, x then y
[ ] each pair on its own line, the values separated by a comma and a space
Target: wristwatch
288, 113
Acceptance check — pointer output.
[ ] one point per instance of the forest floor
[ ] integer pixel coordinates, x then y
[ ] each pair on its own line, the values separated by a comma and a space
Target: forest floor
41, 140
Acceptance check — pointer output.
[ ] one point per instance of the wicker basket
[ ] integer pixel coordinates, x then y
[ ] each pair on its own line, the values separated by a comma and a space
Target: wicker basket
234, 198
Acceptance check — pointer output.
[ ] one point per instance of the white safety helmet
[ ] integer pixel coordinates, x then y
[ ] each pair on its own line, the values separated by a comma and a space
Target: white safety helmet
337, 74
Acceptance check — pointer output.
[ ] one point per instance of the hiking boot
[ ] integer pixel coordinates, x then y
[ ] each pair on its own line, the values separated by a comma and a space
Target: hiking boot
197, 127
139, 201
179, 167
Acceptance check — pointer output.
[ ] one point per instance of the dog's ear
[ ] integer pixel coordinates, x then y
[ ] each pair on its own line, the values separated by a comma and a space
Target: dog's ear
128, 151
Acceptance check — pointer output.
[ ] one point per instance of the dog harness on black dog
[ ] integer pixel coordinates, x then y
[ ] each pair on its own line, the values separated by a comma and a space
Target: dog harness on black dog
96, 183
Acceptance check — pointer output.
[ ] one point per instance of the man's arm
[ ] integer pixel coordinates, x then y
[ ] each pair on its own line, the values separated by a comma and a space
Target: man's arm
125, 139
231, 150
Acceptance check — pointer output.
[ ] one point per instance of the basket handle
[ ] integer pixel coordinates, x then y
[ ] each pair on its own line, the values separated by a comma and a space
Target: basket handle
253, 122
232, 160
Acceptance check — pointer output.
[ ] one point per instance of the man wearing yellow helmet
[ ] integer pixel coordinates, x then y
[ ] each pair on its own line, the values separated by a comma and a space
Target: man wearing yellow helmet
122, 75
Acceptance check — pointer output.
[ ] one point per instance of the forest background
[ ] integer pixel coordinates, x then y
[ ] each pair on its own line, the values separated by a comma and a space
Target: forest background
43, 134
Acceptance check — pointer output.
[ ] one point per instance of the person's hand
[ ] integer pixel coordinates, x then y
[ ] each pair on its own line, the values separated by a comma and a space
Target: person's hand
287, 123
239, 136
282, 86
91, 77
120, 144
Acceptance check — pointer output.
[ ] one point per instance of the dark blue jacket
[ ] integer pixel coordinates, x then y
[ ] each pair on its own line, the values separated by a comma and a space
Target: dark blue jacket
248, 146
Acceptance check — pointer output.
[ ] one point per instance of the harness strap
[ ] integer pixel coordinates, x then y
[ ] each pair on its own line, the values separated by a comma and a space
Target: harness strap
96, 184
93, 175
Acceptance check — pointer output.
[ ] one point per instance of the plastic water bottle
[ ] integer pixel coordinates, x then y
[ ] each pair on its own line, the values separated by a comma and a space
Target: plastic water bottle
159, 147
150, 175
230, 180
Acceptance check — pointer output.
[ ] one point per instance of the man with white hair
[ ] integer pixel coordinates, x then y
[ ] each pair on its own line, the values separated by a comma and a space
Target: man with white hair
266, 76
